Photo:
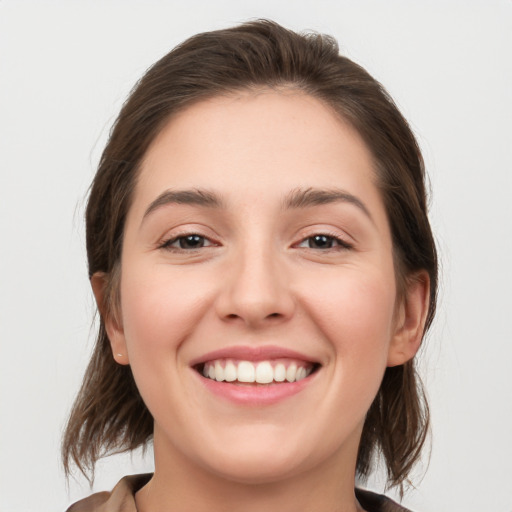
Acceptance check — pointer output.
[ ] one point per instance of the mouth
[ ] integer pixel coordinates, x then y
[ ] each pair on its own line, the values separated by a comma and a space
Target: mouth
255, 375
264, 372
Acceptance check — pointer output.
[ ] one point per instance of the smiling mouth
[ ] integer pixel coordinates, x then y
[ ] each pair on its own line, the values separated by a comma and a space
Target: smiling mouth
280, 371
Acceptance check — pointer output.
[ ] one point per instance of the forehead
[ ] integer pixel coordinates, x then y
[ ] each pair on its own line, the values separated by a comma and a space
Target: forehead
257, 142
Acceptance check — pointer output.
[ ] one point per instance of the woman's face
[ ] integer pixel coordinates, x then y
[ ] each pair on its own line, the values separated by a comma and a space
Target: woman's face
257, 248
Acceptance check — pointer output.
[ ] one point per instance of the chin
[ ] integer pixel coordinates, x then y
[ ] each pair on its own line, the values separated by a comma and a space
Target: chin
263, 456
257, 468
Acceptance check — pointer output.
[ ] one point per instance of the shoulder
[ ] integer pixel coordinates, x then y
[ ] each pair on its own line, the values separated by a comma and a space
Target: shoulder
373, 502
121, 499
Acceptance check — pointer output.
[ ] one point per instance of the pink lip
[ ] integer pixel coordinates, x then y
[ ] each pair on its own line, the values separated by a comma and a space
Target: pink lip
254, 395
248, 353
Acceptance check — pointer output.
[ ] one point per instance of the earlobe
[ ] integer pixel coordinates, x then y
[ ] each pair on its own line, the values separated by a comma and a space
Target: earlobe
110, 317
411, 319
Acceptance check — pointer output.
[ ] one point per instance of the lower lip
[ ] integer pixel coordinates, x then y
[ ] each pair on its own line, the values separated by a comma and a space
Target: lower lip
255, 395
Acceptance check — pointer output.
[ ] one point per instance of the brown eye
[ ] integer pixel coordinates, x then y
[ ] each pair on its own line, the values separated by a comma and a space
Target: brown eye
320, 242
191, 242
324, 242
187, 242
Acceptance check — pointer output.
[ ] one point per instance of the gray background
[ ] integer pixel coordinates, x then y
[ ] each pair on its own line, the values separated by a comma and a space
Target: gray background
65, 69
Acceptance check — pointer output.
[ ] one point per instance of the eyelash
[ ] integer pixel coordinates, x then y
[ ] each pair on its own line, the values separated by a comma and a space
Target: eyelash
328, 238
341, 245
168, 244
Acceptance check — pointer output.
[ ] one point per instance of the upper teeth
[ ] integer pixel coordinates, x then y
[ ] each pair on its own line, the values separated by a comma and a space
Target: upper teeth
262, 372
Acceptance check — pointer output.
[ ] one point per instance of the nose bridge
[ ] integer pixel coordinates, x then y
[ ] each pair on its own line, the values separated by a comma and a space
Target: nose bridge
256, 288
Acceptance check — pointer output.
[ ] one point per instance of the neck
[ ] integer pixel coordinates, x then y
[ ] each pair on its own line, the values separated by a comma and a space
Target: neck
183, 486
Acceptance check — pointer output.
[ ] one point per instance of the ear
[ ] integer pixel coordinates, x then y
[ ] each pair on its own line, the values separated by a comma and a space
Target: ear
410, 320
110, 316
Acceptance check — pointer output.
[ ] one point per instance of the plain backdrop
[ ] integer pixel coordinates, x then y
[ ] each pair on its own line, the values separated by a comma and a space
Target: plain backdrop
65, 69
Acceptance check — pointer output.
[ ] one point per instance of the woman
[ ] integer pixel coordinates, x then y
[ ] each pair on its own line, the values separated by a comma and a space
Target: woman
262, 260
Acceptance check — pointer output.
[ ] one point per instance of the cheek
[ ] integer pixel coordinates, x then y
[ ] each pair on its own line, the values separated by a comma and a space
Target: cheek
357, 297
160, 308
352, 311
356, 315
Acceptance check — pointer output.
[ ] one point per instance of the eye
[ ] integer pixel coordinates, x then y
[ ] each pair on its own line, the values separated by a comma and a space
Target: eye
187, 242
323, 242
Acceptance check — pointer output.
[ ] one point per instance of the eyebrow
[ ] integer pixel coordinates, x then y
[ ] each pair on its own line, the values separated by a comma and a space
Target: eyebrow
296, 199
196, 197
305, 198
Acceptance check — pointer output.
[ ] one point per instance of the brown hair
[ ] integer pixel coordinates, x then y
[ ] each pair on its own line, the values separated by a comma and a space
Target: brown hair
109, 415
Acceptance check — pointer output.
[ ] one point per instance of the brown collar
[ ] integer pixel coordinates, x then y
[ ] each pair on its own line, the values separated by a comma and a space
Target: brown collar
122, 498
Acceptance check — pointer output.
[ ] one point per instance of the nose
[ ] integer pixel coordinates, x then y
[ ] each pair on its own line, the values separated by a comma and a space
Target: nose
256, 290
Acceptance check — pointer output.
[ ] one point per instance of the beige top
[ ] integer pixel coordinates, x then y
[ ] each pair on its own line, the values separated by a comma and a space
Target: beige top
122, 498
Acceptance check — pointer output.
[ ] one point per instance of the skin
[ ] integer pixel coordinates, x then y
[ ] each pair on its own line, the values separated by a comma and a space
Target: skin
258, 280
